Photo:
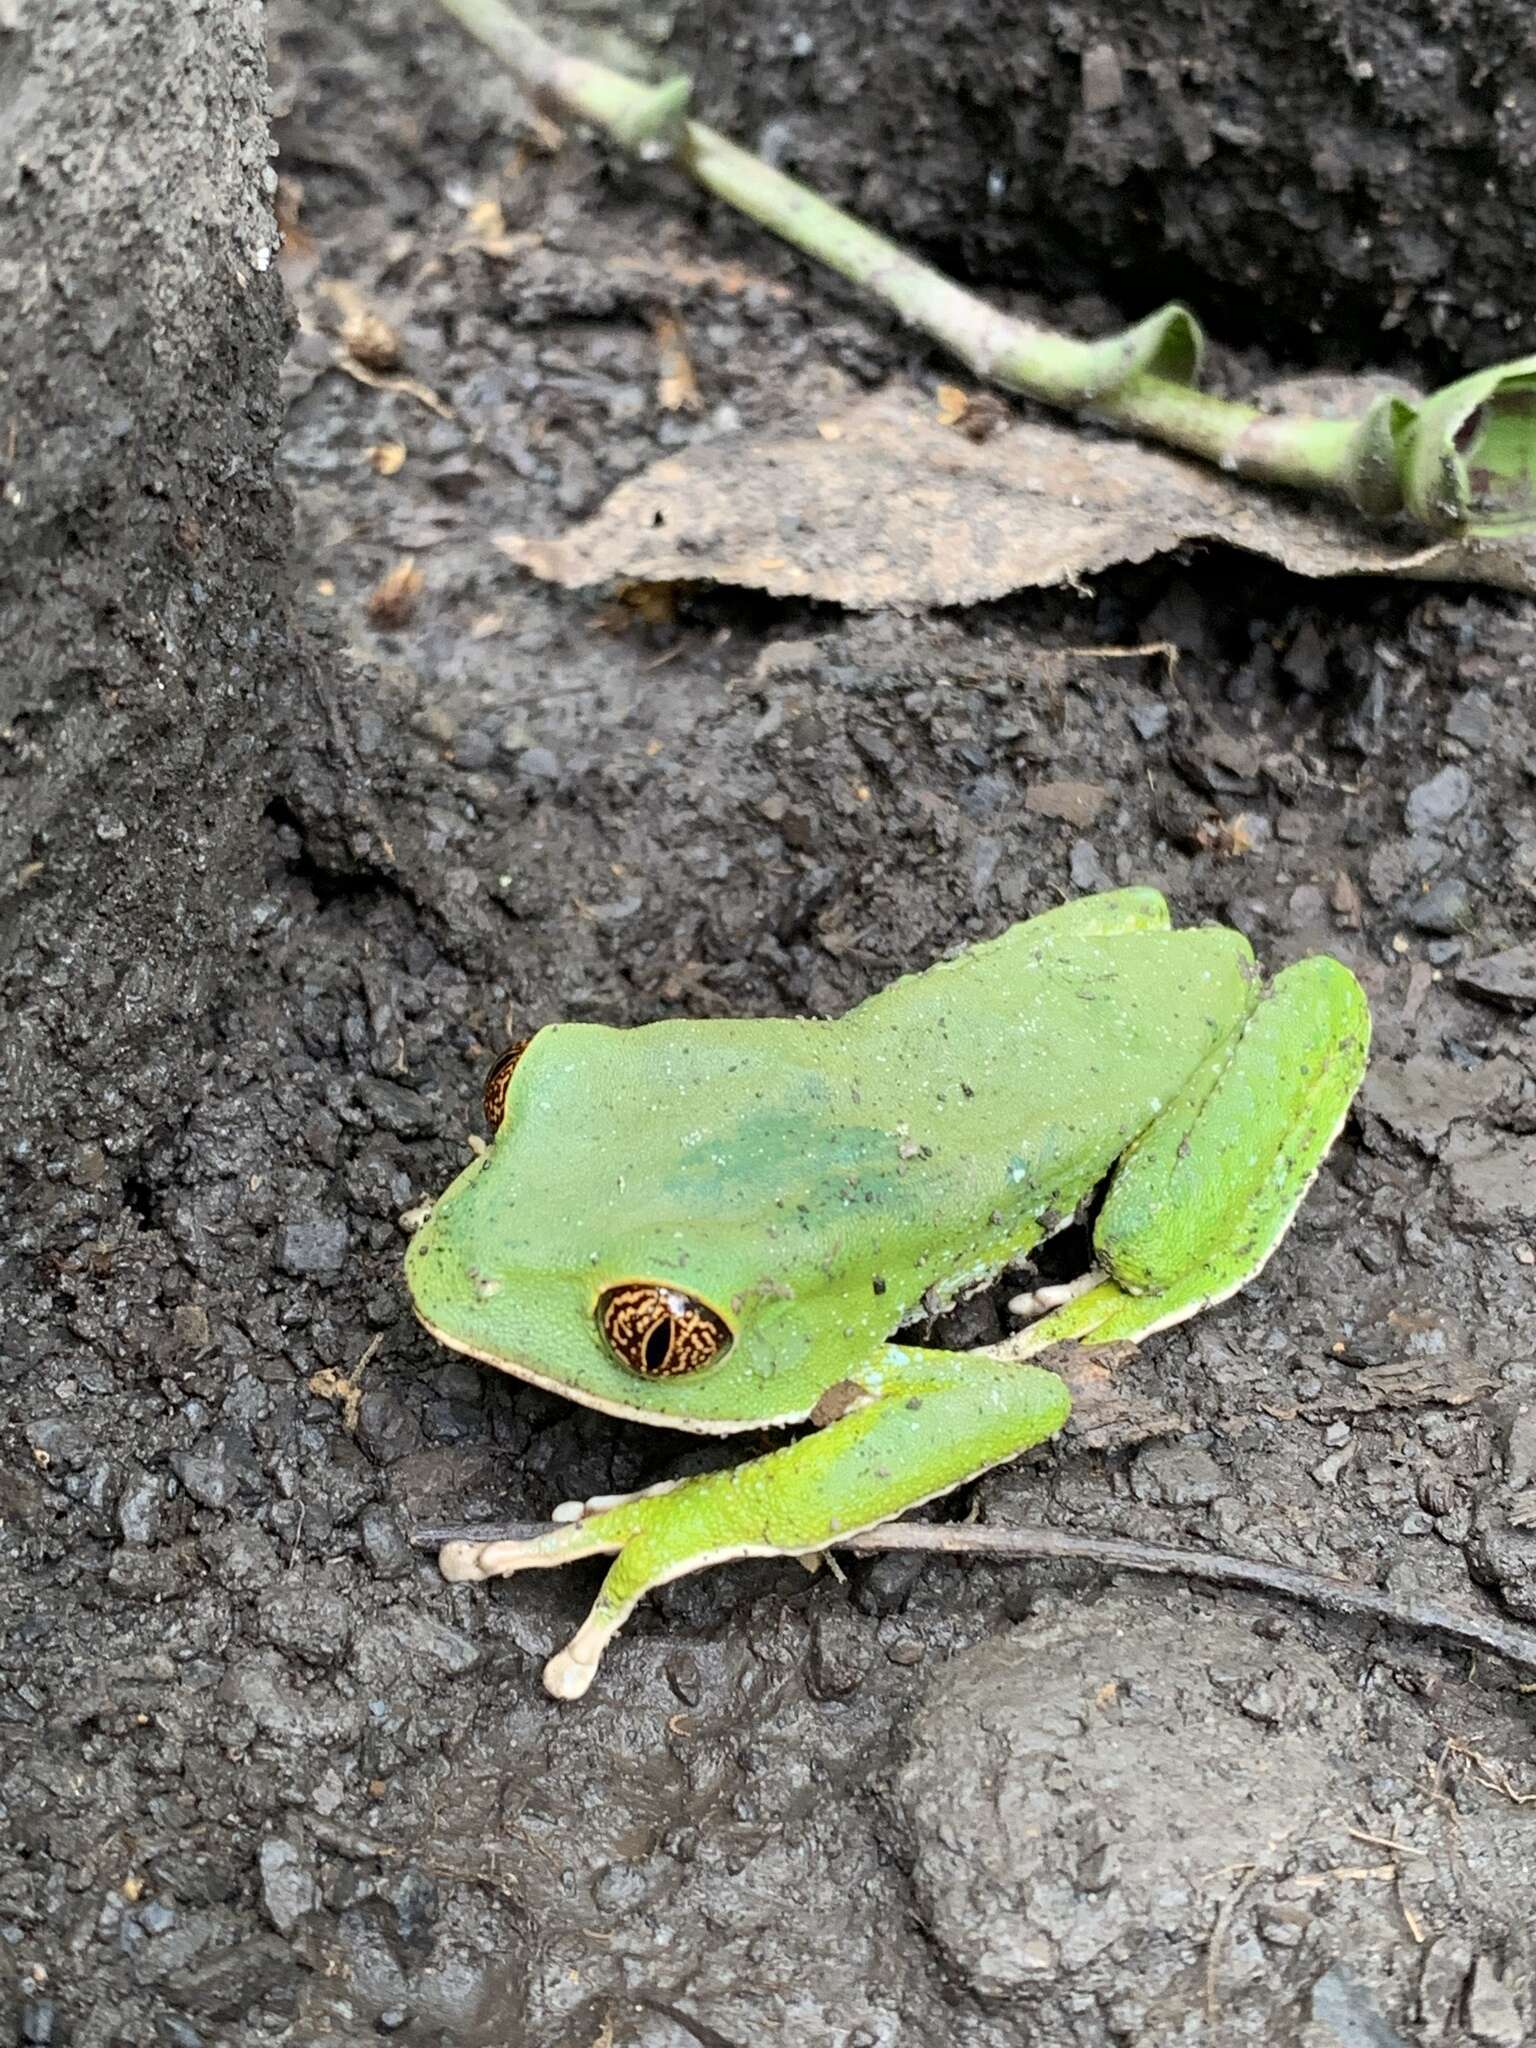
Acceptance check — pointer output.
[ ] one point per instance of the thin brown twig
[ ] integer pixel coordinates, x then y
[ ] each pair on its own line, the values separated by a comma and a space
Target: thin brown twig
1340, 1597
1488, 1772
1218, 1935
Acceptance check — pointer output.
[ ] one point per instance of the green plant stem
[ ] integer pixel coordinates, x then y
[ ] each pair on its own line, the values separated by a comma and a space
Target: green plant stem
992, 344
1463, 462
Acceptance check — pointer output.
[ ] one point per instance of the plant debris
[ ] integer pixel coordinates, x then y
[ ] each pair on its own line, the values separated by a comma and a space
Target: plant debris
884, 507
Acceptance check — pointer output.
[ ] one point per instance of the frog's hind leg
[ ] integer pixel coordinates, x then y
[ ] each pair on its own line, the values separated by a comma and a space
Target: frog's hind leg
1207, 1192
600, 1503
926, 1421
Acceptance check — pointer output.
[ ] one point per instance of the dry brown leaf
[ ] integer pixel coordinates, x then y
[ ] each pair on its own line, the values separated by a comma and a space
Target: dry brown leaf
393, 599
370, 340
333, 1385
345, 1389
486, 221
1227, 838
951, 404
985, 414
881, 507
677, 388
387, 458
366, 335
1422, 1382
1407, 1384
489, 233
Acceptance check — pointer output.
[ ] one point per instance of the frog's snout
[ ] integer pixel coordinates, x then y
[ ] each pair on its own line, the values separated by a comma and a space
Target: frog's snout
450, 1285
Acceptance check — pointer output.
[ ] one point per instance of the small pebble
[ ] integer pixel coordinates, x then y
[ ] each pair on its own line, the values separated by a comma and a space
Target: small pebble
384, 1542
1307, 907
1471, 719
1444, 910
312, 1246
288, 1887
1150, 720
1491, 2012
1436, 802
1508, 977
1263, 1702
1086, 869
38, 2019
172, 2031
1326, 1471
473, 749
1283, 1926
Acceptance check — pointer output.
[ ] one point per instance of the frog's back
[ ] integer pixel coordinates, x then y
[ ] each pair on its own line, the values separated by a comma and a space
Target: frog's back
1028, 1052
935, 1131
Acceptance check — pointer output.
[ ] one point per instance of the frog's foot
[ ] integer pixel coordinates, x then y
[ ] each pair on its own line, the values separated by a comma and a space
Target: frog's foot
599, 1503
571, 1537
1041, 1300
934, 1419
570, 1671
469, 1563
1203, 1197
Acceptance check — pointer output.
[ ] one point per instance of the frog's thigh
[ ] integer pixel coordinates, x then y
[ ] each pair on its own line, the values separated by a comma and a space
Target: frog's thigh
937, 1419
1205, 1195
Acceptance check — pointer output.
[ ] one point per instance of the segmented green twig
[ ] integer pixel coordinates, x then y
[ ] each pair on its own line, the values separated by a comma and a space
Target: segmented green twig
1462, 461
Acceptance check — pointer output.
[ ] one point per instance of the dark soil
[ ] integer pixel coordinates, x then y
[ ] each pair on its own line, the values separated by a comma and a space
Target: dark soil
1348, 181
263, 1775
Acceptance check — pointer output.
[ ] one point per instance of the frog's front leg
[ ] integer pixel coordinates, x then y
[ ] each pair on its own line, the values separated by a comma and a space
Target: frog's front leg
1206, 1193
925, 1422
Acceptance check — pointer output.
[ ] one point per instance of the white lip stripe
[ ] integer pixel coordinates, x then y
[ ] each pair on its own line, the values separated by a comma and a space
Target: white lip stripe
693, 1424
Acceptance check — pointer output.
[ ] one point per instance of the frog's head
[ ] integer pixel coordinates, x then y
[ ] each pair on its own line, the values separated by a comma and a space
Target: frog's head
674, 1223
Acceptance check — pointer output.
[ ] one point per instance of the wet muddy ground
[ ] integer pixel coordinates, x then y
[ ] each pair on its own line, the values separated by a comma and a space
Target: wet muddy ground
268, 1778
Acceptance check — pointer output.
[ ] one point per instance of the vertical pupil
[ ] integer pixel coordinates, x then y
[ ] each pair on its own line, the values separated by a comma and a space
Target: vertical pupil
658, 1343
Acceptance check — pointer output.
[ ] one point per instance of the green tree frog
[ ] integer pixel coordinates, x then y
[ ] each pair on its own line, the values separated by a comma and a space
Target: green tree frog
721, 1226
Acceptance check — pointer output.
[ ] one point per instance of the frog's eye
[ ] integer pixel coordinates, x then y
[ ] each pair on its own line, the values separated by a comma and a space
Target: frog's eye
499, 1080
660, 1332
